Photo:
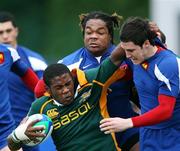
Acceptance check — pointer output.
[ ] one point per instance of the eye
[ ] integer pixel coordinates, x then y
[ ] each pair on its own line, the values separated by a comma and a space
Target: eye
8, 30
88, 32
130, 50
101, 32
68, 83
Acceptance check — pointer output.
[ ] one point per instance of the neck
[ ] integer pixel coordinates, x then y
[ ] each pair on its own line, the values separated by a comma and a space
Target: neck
14, 44
151, 52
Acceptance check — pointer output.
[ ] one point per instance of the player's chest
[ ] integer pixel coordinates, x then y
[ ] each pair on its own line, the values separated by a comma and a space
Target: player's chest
145, 80
63, 116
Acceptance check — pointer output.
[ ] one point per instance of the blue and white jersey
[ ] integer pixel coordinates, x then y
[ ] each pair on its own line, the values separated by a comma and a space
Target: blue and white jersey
83, 59
20, 96
160, 74
8, 58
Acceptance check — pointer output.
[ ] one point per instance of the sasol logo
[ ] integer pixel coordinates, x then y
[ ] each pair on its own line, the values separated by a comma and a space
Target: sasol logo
71, 116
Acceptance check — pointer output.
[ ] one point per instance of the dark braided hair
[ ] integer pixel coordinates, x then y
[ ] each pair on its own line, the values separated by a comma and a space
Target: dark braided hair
112, 21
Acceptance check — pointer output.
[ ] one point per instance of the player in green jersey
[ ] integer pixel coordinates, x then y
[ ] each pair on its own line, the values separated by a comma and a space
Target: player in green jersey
76, 104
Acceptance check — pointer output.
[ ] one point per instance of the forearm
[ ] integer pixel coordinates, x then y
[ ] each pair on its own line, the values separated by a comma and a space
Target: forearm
25, 73
118, 55
159, 114
30, 79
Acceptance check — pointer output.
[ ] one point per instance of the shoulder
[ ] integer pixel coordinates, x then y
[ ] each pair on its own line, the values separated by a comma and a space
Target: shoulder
9, 49
168, 64
73, 57
40, 103
30, 52
36, 60
167, 59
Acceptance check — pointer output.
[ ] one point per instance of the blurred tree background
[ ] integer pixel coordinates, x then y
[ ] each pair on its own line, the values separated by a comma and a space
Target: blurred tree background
51, 27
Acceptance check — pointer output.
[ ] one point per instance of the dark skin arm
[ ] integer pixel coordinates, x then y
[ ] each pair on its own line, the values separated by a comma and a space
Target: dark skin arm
31, 132
156, 29
118, 55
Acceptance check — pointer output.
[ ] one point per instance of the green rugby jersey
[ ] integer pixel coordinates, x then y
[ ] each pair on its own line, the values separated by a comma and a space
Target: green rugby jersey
76, 126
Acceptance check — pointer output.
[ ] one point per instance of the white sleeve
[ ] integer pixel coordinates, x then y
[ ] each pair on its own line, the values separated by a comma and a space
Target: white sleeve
14, 54
37, 64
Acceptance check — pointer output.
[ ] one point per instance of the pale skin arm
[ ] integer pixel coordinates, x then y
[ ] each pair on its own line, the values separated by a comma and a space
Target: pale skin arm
110, 125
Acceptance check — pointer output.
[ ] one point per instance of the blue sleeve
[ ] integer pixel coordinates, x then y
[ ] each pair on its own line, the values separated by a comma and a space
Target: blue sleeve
19, 67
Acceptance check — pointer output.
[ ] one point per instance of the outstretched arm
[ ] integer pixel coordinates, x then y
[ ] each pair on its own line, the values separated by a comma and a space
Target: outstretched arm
27, 75
159, 114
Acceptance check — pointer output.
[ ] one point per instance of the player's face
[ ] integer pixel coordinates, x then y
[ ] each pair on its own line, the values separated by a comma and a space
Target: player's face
8, 33
134, 52
62, 89
96, 37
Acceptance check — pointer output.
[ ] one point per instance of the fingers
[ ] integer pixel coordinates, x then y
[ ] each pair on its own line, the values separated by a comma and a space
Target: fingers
24, 120
153, 26
106, 126
34, 132
32, 123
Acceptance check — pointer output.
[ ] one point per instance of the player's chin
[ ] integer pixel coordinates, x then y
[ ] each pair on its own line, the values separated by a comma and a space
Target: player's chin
68, 100
135, 61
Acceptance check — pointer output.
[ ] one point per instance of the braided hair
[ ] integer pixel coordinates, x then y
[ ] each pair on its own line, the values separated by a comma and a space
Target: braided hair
112, 21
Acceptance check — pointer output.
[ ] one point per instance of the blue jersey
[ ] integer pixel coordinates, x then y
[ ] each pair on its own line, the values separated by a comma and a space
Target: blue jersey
9, 59
160, 75
118, 101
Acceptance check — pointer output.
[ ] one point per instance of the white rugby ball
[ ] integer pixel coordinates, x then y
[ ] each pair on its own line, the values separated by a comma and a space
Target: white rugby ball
45, 122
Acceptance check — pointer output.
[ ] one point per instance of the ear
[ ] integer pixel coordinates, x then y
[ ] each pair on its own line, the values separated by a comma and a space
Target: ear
146, 44
48, 91
17, 31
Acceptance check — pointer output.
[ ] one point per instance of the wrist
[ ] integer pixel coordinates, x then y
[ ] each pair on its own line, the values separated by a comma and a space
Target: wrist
14, 137
130, 123
13, 144
18, 134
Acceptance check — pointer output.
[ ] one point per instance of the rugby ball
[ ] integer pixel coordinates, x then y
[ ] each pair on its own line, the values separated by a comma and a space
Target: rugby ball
45, 122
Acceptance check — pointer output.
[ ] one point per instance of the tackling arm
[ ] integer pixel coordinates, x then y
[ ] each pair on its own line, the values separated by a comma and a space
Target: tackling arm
26, 73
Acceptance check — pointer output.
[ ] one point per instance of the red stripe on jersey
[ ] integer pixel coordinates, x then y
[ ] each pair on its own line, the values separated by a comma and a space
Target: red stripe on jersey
30, 79
159, 114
